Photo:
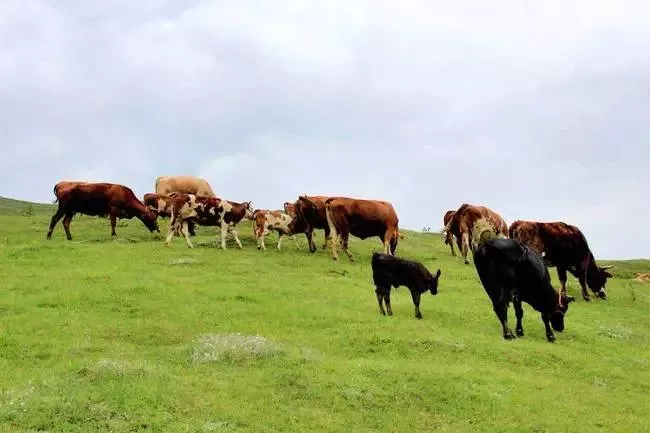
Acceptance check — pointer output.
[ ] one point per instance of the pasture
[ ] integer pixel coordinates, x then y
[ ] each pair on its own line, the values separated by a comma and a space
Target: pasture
101, 334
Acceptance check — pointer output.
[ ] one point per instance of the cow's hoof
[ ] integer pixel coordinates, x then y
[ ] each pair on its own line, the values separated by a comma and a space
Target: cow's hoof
466, 262
550, 338
520, 332
509, 336
586, 298
602, 294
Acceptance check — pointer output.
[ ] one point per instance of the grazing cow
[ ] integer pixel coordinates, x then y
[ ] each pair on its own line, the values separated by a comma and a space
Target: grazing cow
565, 247
394, 271
449, 238
309, 214
99, 199
166, 185
265, 220
206, 211
462, 221
511, 271
362, 219
162, 206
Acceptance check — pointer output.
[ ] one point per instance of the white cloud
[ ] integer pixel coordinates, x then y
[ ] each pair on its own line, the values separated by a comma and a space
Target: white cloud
536, 109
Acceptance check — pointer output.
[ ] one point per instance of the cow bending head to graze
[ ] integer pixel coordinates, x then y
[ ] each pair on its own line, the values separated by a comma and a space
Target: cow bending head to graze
510, 271
265, 220
565, 247
390, 271
309, 214
363, 219
99, 199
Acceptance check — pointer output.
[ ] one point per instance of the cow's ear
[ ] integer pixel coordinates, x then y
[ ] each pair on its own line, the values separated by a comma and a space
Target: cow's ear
438, 273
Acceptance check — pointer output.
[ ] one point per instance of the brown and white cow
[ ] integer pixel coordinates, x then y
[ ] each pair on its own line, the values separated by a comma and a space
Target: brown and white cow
309, 214
206, 211
99, 199
265, 220
462, 222
449, 237
166, 185
565, 247
363, 219
162, 206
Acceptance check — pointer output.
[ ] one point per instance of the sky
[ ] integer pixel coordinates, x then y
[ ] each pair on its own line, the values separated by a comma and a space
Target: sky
539, 110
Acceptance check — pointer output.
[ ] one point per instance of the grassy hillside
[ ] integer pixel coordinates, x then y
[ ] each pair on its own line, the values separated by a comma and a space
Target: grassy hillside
125, 335
10, 206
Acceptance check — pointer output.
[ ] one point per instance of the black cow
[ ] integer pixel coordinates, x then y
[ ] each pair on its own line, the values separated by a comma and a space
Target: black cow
511, 271
394, 271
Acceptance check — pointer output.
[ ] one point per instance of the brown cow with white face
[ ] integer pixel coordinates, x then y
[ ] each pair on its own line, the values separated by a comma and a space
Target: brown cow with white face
265, 220
462, 222
309, 214
166, 185
99, 199
363, 219
565, 247
207, 211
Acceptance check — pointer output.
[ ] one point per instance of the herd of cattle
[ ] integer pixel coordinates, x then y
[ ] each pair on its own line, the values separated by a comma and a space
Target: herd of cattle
511, 261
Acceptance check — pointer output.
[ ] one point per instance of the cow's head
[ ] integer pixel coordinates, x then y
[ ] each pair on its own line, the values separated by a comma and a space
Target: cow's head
149, 219
432, 283
597, 279
303, 208
562, 306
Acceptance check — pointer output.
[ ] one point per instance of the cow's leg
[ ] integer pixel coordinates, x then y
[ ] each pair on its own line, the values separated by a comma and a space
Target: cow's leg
379, 291
335, 242
280, 234
66, 226
171, 230
562, 276
416, 301
387, 300
55, 219
519, 313
345, 237
583, 286
393, 244
186, 233
328, 239
549, 332
223, 230
233, 232
501, 310
309, 234
449, 239
190, 226
113, 217
465, 249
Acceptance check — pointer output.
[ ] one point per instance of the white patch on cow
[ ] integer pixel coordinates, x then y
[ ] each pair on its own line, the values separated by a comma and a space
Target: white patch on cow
212, 211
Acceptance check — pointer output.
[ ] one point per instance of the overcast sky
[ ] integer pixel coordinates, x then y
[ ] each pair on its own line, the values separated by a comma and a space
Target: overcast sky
538, 110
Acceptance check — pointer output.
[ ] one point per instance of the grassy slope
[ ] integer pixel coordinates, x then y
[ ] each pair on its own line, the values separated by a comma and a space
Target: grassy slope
99, 334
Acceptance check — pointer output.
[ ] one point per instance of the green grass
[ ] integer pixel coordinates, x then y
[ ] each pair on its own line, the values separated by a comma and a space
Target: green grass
126, 335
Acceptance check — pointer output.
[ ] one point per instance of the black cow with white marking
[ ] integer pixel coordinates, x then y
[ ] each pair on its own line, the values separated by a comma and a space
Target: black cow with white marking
391, 271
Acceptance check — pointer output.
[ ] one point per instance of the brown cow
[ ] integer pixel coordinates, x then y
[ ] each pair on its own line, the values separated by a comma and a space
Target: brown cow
449, 238
99, 199
206, 211
309, 214
565, 247
162, 206
166, 185
362, 219
290, 209
462, 222
265, 220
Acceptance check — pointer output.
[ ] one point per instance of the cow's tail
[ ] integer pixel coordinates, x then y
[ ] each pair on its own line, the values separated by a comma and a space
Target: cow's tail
482, 231
56, 199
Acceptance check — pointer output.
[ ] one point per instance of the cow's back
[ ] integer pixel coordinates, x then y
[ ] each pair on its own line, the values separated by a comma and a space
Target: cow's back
184, 184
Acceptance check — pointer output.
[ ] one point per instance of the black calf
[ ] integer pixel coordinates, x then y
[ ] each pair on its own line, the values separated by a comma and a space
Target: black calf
394, 271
